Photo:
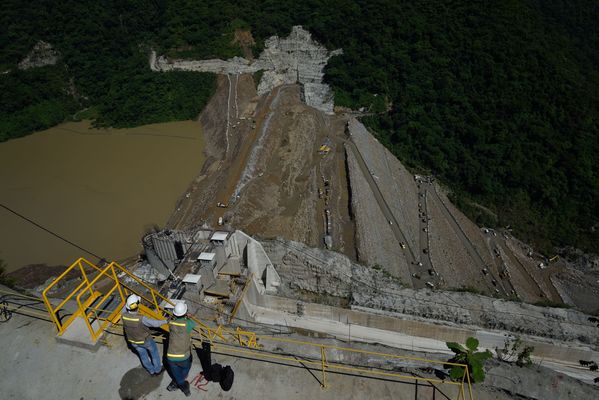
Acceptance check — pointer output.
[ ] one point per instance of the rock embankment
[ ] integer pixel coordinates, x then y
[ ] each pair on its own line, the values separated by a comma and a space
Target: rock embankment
294, 59
41, 55
317, 271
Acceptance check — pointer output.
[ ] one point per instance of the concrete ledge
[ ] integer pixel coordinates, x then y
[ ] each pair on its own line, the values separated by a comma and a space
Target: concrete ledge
78, 335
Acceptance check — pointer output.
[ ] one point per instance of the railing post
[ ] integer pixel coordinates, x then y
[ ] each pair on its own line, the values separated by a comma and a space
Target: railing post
462, 394
416, 391
323, 358
156, 307
51, 312
83, 314
469, 383
91, 292
118, 284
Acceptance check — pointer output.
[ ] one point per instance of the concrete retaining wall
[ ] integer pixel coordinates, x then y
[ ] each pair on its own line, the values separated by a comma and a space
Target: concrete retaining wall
369, 325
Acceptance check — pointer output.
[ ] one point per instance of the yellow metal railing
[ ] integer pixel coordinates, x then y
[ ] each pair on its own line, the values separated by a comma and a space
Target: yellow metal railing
240, 300
231, 341
103, 322
85, 295
77, 266
326, 365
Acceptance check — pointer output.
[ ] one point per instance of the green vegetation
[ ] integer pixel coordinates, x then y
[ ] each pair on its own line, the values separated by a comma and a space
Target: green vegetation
104, 64
469, 356
514, 351
34, 99
501, 103
591, 365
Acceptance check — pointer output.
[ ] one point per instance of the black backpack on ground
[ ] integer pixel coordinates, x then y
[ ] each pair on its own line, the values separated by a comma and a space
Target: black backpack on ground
216, 372
227, 378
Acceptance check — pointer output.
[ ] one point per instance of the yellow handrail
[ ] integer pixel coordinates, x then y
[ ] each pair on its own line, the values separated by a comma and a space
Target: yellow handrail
96, 333
247, 340
238, 303
53, 311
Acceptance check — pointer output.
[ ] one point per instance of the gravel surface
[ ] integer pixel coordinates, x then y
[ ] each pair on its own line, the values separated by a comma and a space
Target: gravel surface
395, 183
448, 255
375, 241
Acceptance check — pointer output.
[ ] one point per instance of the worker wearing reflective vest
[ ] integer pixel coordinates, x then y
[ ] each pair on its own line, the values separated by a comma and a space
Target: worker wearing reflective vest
178, 356
139, 336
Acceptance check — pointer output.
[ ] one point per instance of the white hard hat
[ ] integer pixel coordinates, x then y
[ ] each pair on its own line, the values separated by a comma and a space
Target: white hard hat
133, 301
180, 309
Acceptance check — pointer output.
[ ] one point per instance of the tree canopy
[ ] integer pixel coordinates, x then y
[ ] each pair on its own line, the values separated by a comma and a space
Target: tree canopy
499, 101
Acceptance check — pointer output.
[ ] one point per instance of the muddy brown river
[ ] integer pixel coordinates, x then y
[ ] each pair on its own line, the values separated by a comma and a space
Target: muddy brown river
101, 189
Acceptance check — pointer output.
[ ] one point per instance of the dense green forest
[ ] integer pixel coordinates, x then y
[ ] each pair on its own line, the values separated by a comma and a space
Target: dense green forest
499, 100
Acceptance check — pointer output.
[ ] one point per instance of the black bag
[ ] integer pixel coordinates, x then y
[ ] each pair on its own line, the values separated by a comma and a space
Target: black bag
216, 372
227, 378
205, 356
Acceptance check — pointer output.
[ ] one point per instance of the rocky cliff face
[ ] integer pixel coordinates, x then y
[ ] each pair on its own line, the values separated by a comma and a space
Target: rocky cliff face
305, 271
298, 58
294, 59
41, 55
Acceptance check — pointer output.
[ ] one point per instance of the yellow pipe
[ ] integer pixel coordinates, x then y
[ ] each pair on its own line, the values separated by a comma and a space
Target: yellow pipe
349, 349
55, 281
335, 366
21, 295
52, 311
323, 358
236, 308
116, 279
469, 383
22, 310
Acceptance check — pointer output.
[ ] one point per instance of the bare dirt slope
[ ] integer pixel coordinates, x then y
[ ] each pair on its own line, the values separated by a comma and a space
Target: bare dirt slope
266, 169
276, 167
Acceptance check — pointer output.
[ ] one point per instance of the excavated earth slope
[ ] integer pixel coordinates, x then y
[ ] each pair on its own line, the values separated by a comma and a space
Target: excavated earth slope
277, 167
265, 170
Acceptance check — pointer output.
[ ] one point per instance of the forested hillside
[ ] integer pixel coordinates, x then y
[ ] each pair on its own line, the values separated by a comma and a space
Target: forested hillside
499, 100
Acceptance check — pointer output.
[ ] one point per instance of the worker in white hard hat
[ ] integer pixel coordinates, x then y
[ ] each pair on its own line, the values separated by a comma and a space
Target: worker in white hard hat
178, 356
138, 335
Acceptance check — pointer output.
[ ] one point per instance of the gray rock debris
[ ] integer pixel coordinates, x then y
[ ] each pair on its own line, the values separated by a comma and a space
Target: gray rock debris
41, 55
294, 59
322, 272
536, 382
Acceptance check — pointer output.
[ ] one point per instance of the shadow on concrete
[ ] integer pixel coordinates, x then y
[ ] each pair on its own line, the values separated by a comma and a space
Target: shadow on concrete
436, 392
137, 383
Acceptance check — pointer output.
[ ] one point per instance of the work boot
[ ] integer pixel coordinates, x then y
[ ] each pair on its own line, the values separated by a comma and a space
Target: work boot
172, 386
185, 389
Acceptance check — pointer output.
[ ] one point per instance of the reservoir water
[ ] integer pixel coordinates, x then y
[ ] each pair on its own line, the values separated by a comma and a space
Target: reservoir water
99, 188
